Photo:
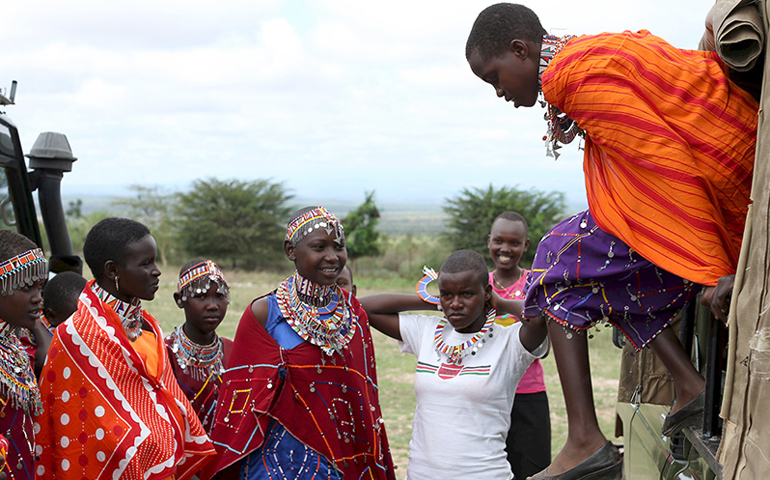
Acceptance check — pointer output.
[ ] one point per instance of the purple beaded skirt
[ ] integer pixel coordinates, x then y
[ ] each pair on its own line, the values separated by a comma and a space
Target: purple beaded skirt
582, 276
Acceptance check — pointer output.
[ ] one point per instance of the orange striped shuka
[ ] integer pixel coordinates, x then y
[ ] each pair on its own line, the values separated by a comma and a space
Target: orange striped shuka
669, 147
108, 411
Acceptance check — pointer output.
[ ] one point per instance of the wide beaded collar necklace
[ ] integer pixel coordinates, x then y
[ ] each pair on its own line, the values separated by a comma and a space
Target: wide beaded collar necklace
17, 380
198, 361
318, 313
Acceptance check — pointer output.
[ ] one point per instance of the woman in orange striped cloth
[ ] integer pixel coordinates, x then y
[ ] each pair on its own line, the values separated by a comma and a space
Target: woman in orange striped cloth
669, 148
111, 405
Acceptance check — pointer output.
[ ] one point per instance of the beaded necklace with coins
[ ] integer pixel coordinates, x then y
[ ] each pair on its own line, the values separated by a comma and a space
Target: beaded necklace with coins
199, 361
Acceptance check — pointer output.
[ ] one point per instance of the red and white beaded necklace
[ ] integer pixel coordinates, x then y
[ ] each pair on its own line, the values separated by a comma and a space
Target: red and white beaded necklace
455, 353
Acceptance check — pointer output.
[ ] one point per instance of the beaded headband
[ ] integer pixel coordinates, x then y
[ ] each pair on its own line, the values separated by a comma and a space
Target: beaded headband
22, 270
190, 285
312, 220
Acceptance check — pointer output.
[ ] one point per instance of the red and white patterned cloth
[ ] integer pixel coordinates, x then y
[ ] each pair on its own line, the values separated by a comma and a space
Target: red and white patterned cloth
112, 409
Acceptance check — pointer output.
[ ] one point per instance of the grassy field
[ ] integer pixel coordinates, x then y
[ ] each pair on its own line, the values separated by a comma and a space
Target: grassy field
396, 371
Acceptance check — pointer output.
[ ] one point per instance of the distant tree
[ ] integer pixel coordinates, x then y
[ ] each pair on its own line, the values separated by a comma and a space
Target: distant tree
80, 226
472, 212
361, 235
234, 220
153, 207
75, 209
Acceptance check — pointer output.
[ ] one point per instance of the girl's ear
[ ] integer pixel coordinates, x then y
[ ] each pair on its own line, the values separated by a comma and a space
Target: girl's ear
110, 270
178, 299
289, 249
520, 48
527, 245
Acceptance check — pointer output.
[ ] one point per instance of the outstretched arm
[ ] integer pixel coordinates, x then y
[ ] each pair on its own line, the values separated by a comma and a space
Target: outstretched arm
383, 310
533, 332
506, 305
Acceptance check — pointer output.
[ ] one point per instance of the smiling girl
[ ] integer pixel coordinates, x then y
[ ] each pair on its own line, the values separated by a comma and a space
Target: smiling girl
300, 395
467, 370
112, 406
529, 438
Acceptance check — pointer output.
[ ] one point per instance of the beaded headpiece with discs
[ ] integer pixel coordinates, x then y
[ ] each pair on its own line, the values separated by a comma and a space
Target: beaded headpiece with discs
312, 220
22, 270
197, 280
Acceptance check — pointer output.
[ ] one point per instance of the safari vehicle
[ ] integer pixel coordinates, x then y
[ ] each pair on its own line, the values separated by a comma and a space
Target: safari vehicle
49, 158
733, 442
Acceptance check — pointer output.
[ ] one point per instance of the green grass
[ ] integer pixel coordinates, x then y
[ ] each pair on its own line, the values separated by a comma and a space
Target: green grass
395, 371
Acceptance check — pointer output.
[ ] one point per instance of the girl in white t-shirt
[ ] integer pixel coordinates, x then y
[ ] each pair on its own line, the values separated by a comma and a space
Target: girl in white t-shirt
467, 370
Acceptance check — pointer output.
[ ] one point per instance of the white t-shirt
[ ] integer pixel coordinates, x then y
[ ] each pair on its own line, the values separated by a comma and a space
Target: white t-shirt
463, 411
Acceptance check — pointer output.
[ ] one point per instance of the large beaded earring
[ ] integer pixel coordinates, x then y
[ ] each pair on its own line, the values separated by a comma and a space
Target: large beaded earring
117, 285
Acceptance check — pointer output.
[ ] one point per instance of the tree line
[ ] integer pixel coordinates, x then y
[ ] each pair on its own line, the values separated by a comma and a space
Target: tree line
241, 223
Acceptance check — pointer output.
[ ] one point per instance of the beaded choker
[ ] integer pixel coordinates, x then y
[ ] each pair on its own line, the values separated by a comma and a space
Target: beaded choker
317, 313
130, 314
198, 361
561, 128
17, 380
23, 270
455, 353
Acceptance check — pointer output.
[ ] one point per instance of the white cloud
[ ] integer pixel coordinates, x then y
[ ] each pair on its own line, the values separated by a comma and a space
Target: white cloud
167, 91
98, 93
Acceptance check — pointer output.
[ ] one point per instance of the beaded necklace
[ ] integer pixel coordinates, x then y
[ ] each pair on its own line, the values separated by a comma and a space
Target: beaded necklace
130, 314
456, 353
198, 361
318, 313
17, 380
561, 129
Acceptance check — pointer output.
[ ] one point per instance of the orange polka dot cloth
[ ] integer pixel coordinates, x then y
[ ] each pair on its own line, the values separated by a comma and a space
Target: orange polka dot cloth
106, 414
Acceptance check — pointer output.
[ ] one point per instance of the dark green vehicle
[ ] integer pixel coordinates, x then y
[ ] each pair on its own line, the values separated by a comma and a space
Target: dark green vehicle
645, 400
49, 159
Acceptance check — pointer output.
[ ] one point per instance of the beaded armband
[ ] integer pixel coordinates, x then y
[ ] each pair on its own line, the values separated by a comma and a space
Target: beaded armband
429, 275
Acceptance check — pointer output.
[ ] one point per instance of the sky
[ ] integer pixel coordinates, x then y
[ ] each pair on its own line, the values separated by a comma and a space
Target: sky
333, 98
